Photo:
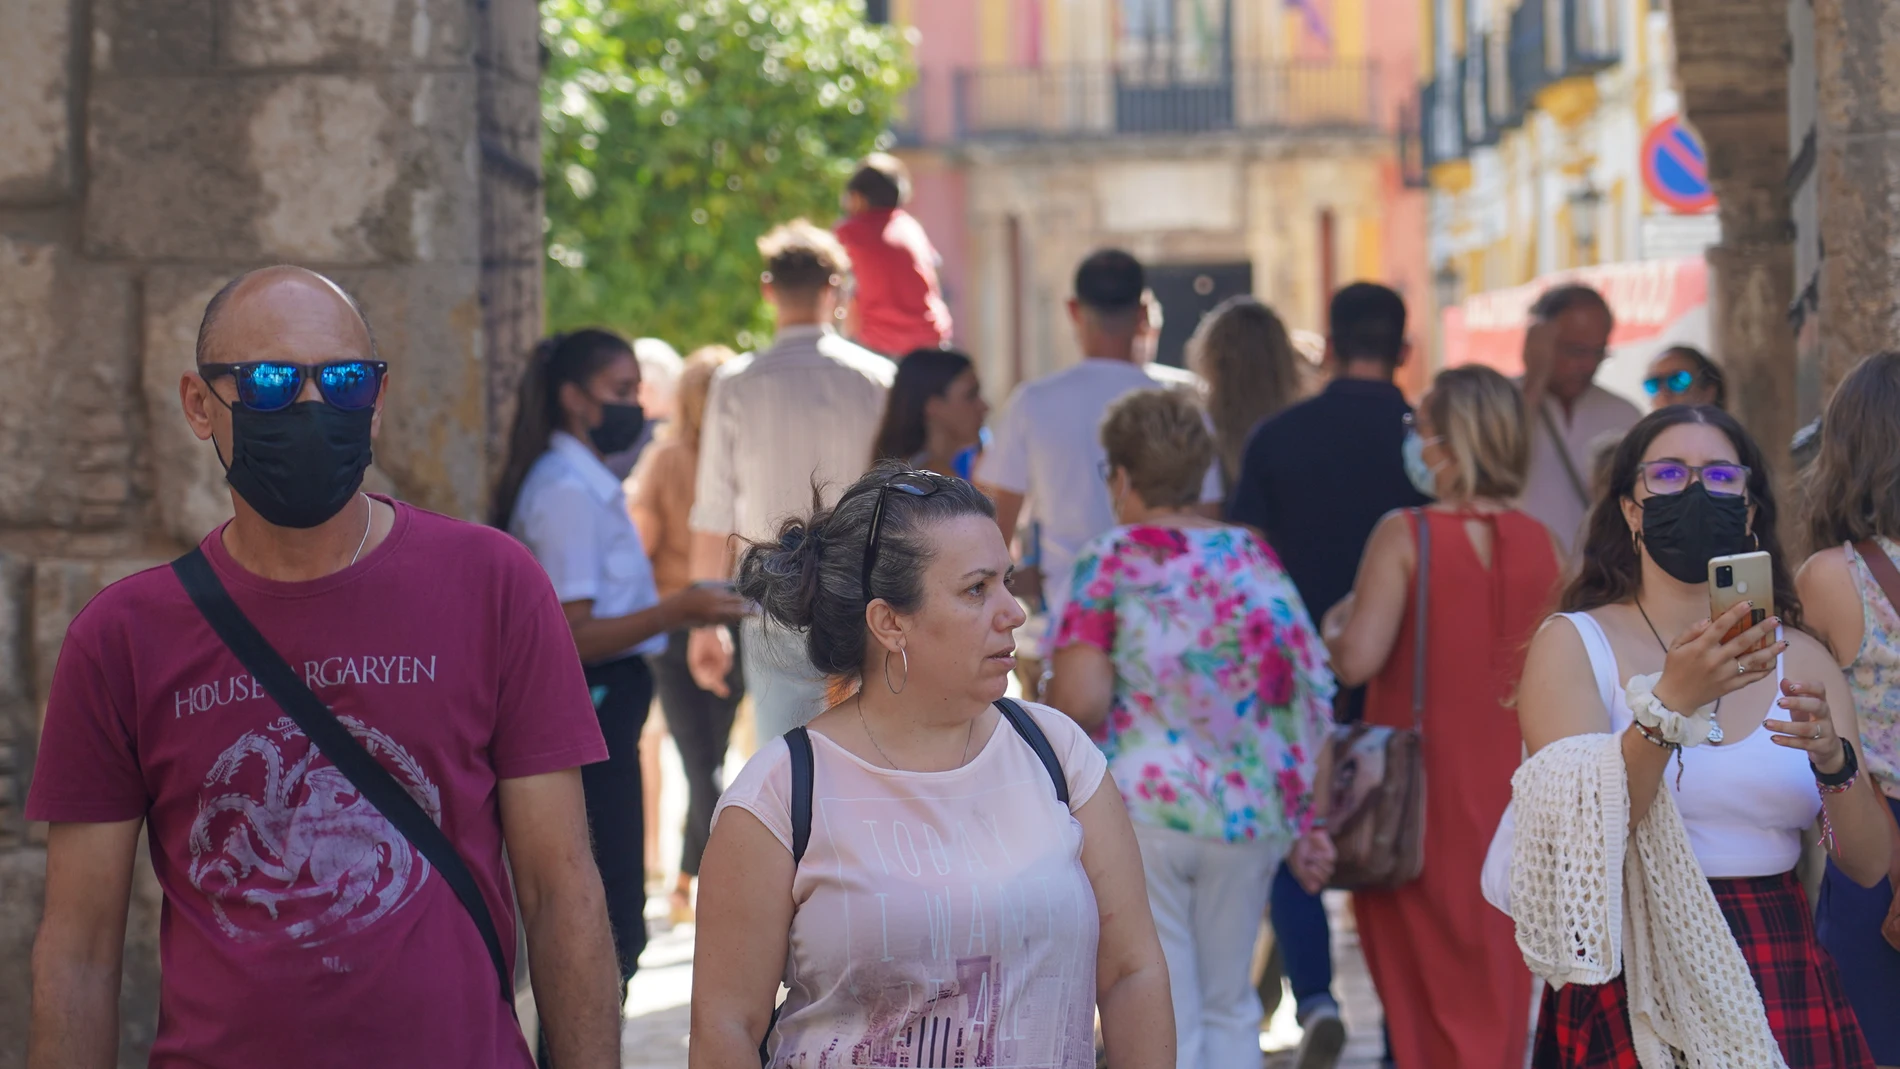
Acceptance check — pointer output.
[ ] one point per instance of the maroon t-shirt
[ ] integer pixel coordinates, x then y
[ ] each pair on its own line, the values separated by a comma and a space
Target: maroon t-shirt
299, 928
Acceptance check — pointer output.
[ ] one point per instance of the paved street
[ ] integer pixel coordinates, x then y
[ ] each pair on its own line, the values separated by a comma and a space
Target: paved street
657, 1016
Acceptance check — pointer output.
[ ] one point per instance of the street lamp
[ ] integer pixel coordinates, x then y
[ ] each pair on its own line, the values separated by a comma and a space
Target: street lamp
1584, 203
1446, 285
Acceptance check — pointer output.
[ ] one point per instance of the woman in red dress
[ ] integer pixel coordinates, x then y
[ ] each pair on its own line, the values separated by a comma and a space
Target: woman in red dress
1446, 965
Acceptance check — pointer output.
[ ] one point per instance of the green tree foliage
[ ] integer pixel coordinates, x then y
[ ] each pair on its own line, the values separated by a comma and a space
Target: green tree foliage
679, 131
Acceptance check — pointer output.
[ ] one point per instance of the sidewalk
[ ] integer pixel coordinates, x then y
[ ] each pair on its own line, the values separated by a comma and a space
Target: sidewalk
657, 1007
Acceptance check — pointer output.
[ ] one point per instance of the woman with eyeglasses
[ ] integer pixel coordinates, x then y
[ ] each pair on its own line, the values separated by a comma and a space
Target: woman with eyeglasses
1186, 652
1683, 375
1850, 590
1748, 736
931, 869
934, 417
576, 405
1447, 968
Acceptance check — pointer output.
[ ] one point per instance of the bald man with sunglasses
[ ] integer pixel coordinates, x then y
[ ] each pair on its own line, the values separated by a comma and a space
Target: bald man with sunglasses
327, 809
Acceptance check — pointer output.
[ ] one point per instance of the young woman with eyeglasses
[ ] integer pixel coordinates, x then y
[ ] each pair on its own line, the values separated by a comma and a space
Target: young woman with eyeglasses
966, 894
576, 405
1746, 735
1683, 375
1853, 492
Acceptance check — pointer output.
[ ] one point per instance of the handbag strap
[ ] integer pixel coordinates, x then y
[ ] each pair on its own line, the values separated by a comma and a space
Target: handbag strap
1418, 618
1880, 566
334, 741
1563, 456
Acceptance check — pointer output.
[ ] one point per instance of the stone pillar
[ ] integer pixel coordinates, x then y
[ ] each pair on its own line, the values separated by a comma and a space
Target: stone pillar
151, 149
1733, 79
1857, 175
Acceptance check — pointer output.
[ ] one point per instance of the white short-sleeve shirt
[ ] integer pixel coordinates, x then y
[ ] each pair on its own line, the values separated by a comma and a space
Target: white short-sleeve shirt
1048, 447
572, 513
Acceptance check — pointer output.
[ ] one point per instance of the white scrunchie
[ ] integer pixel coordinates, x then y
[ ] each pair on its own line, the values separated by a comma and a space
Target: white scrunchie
1663, 722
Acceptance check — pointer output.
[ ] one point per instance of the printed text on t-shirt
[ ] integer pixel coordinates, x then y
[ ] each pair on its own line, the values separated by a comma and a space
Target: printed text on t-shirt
400, 670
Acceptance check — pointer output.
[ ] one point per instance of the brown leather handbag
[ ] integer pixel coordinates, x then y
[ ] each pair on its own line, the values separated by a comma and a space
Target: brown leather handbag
1881, 567
1373, 778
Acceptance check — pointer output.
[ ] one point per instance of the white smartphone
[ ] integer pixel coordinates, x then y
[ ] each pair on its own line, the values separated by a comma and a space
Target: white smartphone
1742, 577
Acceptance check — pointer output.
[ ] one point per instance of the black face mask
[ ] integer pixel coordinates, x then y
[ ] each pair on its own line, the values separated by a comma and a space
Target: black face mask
620, 427
298, 466
1683, 532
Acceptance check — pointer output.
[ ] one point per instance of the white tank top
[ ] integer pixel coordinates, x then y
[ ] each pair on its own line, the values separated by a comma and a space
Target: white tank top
1745, 803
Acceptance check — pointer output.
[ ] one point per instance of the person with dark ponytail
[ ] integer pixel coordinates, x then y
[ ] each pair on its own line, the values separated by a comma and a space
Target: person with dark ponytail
577, 405
934, 417
930, 866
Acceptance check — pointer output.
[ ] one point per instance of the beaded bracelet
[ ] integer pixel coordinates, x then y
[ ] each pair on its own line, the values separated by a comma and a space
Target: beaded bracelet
1655, 739
1838, 783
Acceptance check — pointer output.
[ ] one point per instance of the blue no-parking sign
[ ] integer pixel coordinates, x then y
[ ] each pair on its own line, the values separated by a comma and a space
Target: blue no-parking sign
1676, 169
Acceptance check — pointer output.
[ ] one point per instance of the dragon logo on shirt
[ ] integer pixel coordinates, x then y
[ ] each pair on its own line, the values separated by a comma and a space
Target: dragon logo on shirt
297, 853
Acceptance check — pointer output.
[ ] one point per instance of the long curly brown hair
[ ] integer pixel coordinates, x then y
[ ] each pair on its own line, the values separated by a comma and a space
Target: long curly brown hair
1612, 567
1853, 486
1243, 353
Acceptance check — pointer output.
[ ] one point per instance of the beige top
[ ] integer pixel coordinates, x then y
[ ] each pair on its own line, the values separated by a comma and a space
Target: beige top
1557, 501
804, 410
663, 485
941, 918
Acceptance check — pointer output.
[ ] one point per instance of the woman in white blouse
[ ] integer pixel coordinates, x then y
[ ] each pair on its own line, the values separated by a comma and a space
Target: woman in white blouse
577, 404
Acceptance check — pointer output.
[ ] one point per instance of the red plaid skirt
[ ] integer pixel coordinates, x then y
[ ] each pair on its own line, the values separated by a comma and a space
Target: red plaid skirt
1588, 1027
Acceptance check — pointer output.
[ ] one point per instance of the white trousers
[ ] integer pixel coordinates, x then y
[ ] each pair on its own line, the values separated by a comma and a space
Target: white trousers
786, 690
1208, 898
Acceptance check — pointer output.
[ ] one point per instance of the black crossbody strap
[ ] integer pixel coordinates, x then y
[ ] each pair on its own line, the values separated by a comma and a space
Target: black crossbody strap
334, 741
798, 740
1025, 726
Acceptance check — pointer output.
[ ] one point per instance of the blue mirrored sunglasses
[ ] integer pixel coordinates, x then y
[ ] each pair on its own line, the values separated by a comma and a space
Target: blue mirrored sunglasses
269, 385
1674, 382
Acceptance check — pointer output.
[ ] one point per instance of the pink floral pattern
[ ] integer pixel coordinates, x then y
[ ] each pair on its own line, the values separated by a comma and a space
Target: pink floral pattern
1222, 691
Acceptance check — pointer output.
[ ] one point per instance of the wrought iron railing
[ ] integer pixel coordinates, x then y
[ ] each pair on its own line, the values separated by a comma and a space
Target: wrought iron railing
1082, 101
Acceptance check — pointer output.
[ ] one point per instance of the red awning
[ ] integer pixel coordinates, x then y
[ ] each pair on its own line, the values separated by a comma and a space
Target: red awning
1646, 297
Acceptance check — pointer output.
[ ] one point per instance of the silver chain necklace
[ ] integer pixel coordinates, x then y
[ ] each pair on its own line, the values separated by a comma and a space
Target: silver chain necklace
961, 759
368, 520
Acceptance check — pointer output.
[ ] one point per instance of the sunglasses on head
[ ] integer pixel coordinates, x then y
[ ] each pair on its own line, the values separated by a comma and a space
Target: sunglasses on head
270, 385
914, 483
1674, 382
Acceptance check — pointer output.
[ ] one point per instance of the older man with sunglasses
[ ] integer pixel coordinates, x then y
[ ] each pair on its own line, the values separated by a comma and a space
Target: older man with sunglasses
326, 902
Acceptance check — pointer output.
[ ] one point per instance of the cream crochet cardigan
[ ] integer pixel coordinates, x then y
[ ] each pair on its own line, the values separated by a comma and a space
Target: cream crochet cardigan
1588, 907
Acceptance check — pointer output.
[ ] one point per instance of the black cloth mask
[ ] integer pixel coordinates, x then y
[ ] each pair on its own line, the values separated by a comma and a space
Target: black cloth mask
298, 466
620, 427
1683, 532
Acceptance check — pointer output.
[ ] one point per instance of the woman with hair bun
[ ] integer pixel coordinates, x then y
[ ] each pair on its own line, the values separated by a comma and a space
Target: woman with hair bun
575, 407
931, 869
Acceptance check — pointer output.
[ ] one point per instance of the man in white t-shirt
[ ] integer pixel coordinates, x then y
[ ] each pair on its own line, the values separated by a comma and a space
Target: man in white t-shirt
1567, 342
1047, 448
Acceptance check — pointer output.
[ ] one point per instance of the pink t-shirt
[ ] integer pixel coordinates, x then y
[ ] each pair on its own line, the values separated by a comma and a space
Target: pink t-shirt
299, 928
942, 918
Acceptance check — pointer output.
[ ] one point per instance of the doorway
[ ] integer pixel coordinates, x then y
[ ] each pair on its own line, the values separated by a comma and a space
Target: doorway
1186, 293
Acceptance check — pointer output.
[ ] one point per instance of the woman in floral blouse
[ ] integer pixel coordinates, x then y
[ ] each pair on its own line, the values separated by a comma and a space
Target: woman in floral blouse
1186, 653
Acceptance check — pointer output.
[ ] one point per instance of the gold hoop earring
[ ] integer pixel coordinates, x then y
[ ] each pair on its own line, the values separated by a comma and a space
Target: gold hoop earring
887, 670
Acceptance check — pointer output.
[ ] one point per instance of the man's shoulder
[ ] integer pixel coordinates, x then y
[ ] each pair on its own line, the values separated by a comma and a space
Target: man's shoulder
145, 595
848, 354
1613, 405
467, 544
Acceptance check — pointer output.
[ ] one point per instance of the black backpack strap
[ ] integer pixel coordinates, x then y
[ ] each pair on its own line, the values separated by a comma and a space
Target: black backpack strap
334, 741
1031, 732
798, 740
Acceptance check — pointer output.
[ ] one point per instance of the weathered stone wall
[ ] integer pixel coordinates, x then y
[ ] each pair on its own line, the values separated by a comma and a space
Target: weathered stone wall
151, 149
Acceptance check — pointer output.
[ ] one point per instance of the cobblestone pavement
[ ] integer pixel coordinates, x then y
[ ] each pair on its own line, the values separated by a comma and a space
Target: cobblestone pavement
657, 1018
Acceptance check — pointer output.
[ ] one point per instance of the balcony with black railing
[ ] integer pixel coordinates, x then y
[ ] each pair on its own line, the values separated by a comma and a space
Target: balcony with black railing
1079, 102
